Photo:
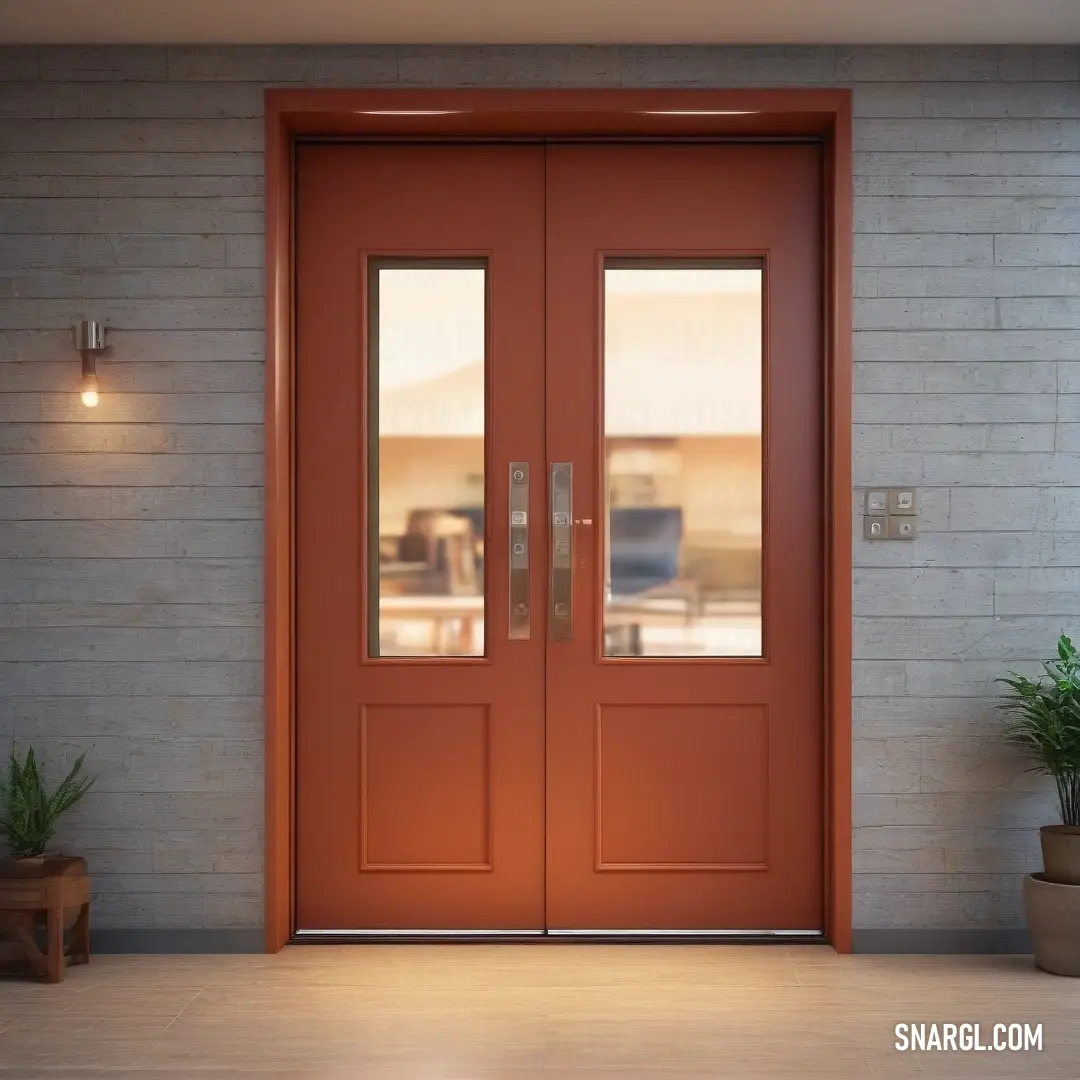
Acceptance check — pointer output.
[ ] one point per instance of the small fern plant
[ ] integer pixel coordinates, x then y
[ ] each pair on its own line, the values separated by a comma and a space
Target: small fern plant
1043, 720
29, 811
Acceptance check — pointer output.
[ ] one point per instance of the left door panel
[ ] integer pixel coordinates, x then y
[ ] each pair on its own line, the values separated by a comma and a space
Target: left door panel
420, 694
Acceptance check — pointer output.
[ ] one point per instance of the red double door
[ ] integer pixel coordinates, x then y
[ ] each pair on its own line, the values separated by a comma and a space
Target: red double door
559, 535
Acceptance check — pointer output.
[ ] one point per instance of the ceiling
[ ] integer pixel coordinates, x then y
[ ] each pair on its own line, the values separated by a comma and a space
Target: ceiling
358, 22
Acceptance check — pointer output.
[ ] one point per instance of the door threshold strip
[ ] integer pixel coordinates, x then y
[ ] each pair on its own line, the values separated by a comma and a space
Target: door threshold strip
687, 933
599, 937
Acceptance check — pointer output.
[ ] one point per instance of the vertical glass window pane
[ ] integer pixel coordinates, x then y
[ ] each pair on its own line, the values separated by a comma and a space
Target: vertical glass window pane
426, 408
682, 446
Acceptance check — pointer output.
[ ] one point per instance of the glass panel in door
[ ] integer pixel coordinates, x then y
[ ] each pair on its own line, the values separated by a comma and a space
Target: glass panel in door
426, 475
682, 456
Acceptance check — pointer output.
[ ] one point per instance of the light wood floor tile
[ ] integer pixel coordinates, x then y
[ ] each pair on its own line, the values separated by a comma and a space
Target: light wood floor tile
319, 1073
536, 1012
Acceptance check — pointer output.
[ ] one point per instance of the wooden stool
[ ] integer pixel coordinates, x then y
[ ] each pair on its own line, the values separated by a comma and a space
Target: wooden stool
55, 891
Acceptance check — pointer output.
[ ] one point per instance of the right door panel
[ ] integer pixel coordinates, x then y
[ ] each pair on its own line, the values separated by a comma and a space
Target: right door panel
685, 683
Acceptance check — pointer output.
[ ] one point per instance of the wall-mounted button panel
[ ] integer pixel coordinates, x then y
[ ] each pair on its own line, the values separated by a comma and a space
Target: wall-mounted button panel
890, 513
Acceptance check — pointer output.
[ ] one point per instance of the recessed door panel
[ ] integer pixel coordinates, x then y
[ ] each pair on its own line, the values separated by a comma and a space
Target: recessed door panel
662, 766
425, 787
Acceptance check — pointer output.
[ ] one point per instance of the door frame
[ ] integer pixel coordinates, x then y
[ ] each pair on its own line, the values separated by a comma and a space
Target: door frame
593, 116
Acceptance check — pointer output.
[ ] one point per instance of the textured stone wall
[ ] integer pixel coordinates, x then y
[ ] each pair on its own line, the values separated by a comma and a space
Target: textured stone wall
130, 539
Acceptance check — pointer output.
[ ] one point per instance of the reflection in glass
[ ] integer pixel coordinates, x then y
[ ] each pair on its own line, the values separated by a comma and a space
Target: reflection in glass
426, 458
682, 446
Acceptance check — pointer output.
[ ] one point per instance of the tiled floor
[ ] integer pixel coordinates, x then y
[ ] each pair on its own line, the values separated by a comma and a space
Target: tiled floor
529, 1012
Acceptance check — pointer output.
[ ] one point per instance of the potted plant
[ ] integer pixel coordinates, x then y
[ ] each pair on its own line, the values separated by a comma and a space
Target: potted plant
28, 810
1043, 720
44, 897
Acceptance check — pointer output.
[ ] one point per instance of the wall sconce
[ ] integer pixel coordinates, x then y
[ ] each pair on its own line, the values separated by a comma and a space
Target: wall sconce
89, 338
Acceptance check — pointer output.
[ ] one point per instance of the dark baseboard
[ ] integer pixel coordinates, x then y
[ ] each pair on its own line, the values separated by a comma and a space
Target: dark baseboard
940, 941
177, 941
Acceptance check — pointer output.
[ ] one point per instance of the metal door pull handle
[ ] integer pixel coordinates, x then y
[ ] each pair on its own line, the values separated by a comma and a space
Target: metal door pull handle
520, 617
561, 488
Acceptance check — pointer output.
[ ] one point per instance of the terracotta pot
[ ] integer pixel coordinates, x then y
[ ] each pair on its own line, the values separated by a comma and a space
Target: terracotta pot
1053, 918
1061, 853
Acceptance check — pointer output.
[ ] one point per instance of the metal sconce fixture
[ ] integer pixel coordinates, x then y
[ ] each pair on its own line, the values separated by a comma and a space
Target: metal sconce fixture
89, 339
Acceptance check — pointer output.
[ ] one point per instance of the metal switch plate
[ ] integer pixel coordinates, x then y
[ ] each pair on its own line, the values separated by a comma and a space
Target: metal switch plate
902, 501
901, 527
891, 514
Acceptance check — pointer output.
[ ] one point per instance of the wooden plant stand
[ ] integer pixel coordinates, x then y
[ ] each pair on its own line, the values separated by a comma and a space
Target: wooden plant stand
54, 891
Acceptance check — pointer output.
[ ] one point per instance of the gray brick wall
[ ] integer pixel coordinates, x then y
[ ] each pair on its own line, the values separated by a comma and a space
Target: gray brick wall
130, 589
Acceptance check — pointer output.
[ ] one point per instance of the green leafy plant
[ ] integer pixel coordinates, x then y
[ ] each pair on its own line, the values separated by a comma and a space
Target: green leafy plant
28, 810
1044, 722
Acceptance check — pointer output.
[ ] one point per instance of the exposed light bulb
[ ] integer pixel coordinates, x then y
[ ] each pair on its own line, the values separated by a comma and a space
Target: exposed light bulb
88, 337
89, 391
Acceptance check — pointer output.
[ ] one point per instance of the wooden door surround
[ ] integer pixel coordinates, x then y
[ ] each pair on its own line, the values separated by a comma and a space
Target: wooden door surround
590, 115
